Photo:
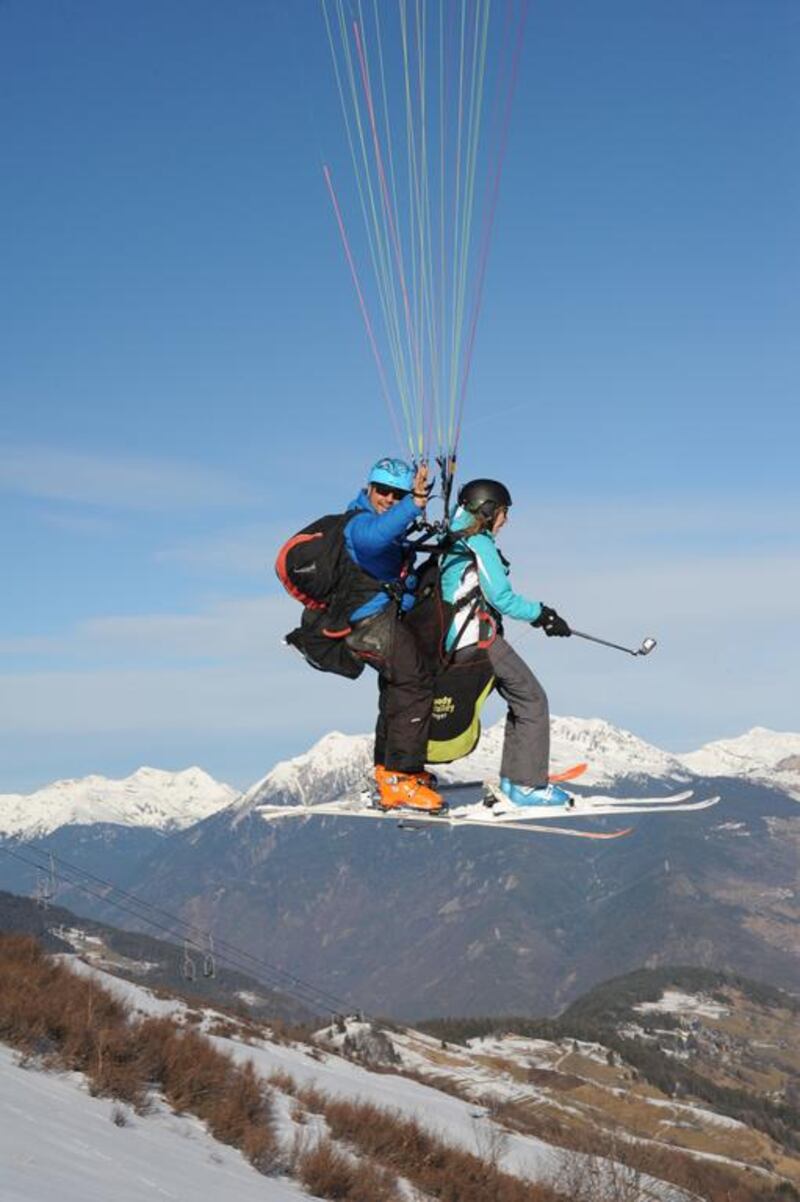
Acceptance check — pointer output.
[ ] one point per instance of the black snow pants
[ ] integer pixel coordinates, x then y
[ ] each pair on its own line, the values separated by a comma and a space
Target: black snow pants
405, 689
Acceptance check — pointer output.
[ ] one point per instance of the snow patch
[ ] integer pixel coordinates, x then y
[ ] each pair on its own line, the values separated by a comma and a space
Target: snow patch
56, 1141
674, 1001
335, 764
770, 757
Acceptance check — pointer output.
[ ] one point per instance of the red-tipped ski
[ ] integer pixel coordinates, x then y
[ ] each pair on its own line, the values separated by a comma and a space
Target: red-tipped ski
568, 774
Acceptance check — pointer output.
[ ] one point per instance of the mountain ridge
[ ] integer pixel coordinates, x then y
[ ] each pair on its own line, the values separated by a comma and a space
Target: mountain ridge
150, 797
155, 799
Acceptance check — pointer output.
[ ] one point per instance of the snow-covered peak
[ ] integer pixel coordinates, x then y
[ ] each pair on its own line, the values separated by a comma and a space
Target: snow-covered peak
149, 798
769, 756
611, 753
333, 765
339, 763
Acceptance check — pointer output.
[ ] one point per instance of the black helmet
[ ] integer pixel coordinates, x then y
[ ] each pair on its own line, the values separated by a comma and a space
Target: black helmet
484, 497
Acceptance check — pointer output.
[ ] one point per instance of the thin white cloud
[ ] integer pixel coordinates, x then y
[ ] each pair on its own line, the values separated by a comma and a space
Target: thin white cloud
227, 630
247, 550
117, 481
618, 531
728, 655
85, 525
273, 695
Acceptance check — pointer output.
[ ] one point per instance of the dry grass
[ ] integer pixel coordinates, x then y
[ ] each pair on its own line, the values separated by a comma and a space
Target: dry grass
712, 1182
406, 1148
329, 1173
709, 1181
71, 1022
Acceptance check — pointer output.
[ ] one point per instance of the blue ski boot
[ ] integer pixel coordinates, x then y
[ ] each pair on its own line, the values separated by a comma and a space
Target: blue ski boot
528, 795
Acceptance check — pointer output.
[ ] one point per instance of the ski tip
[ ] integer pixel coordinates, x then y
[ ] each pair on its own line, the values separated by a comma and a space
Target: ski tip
571, 773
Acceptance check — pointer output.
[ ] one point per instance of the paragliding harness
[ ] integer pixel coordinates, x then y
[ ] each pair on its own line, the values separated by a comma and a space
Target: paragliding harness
315, 568
464, 677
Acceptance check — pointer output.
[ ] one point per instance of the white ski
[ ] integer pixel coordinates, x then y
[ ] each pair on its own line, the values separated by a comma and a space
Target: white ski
593, 805
416, 819
508, 817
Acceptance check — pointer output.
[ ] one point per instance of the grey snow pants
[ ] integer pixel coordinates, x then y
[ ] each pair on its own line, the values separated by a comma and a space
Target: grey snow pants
526, 747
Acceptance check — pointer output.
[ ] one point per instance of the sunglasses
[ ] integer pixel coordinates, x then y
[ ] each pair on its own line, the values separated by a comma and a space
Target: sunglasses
386, 490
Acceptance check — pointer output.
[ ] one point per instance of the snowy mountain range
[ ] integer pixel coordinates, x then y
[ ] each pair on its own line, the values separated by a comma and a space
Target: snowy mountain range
339, 762
168, 801
149, 798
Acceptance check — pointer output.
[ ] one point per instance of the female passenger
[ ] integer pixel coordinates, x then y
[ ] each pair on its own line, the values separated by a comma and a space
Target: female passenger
475, 577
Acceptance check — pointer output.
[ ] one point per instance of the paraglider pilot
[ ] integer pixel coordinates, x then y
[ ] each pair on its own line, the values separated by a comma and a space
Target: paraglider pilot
375, 539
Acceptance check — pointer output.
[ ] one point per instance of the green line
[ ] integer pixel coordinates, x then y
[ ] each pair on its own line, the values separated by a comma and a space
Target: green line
456, 203
475, 106
378, 246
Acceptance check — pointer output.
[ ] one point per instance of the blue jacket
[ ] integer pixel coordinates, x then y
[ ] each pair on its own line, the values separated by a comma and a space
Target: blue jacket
376, 542
476, 561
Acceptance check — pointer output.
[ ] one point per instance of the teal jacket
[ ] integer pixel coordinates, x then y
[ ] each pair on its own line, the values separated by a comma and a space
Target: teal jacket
476, 561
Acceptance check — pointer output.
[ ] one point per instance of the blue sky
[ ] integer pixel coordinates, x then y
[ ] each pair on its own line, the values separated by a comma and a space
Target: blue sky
185, 379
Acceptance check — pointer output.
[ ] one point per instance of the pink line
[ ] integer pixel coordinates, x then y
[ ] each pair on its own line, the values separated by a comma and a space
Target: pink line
489, 222
385, 194
362, 303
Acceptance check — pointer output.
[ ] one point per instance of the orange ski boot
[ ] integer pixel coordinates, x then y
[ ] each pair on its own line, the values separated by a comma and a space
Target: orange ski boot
406, 790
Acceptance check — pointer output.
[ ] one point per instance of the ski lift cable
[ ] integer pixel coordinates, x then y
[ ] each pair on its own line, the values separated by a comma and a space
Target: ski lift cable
239, 958
285, 978
301, 991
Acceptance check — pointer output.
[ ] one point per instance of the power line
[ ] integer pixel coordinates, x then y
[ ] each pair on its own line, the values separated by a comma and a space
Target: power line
239, 958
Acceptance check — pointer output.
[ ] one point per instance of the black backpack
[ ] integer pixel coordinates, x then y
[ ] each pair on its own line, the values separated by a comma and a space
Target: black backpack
309, 563
463, 682
314, 568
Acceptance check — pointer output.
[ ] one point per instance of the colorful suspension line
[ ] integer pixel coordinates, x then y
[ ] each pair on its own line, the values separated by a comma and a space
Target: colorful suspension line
412, 81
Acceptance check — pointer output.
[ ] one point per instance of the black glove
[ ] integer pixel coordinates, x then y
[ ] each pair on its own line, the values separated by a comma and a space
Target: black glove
552, 624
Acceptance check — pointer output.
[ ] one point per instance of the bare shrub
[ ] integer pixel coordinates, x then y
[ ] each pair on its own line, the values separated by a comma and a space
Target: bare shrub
283, 1081
490, 1139
325, 1171
329, 1173
434, 1167
195, 1077
47, 1010
585, 1178
312, 1098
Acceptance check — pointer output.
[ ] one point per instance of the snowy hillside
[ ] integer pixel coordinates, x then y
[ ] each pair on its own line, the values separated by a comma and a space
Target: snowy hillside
56, 1141
455, 1120
163, 801
768, 756
332, 766
56, 1138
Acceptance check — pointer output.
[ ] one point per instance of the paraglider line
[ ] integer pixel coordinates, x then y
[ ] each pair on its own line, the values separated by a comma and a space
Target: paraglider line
362, 303
490, 215
385, 192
